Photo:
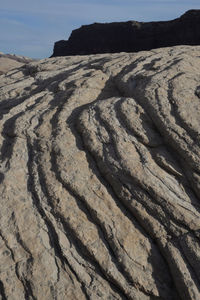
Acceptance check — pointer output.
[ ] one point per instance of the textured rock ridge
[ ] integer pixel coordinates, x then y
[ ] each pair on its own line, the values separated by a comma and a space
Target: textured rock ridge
12, 61
100, 177
131, 36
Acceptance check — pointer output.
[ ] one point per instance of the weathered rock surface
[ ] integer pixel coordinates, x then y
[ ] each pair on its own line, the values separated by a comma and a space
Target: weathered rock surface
100, 177
131, 36
12, 61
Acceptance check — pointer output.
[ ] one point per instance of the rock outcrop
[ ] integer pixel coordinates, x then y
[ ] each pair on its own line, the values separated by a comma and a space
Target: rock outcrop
100, 177
12, 61
131, 36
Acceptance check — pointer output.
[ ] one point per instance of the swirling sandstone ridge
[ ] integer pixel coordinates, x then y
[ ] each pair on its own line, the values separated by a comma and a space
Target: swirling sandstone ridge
100, 177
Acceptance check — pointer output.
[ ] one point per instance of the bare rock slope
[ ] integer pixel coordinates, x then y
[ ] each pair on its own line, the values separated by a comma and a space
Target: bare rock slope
100, 177
12, 61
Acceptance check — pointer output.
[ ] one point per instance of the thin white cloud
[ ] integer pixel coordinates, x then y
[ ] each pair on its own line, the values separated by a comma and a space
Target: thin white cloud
83, 8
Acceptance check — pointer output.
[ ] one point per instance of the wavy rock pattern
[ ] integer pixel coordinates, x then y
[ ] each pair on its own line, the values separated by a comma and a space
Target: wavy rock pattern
100, 177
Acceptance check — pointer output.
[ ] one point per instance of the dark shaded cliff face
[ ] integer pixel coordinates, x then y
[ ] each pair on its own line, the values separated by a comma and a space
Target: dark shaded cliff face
131, 36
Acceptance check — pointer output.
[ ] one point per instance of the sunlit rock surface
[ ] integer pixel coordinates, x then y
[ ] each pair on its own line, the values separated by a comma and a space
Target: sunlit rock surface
100, 177
12, 61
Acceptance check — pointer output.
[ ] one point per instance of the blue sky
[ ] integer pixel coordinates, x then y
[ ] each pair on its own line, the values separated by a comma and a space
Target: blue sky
30, 27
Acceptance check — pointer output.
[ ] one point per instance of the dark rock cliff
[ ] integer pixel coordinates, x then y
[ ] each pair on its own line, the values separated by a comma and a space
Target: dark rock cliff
131, 36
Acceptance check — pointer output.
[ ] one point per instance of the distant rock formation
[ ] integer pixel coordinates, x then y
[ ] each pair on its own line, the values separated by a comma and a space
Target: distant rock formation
100, 177
11, 61
131, 36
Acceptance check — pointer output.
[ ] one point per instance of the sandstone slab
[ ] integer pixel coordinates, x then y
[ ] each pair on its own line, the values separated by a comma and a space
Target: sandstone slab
100, 177
11, 61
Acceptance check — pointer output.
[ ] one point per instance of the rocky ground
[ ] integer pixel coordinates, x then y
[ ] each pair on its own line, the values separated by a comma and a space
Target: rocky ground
11, 61
100, 177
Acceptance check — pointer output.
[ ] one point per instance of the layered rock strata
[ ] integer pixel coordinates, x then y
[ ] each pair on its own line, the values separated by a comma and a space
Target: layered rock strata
131, 36
100, 177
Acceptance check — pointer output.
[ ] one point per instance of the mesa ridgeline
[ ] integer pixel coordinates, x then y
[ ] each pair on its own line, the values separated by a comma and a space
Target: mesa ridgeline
131, 36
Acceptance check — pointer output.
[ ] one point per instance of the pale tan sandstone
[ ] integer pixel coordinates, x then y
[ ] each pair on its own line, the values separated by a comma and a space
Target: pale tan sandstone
12, 61
100, 177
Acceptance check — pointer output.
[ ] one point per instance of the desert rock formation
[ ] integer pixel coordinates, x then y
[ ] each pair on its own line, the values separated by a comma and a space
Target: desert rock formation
100, 177
131, 36
12, 61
